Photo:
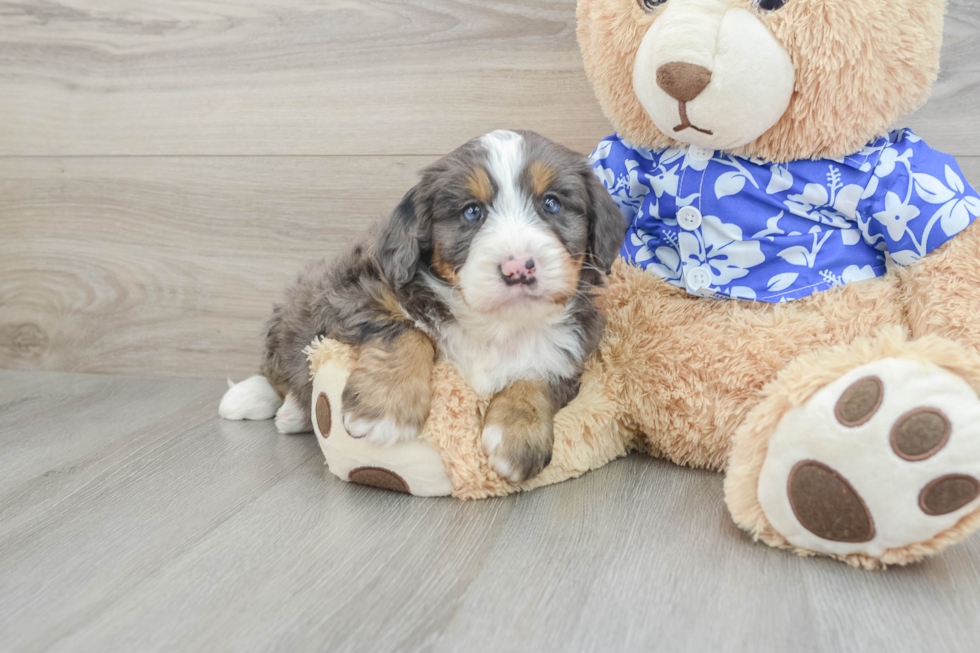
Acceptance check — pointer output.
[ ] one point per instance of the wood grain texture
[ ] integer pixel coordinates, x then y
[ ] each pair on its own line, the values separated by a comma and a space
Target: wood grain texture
134, 520
252, 77
169, 266
338, 77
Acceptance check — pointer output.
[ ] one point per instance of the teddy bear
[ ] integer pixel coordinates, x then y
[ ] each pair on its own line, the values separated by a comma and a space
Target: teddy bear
797, 304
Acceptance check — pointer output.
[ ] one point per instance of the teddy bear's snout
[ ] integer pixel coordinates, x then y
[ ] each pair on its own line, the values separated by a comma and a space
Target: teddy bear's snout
712, 74
683, 81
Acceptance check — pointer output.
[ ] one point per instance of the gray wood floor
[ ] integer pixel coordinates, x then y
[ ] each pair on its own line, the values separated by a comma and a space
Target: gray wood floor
132, 519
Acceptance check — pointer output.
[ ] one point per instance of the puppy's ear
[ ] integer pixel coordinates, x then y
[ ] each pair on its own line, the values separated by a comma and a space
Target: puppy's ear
607, 227
401, 240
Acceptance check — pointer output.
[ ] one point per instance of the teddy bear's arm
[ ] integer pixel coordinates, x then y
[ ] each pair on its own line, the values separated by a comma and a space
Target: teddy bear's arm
917, 200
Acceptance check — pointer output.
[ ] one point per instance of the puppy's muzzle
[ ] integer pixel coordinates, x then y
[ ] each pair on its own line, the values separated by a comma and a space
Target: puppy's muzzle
518, 269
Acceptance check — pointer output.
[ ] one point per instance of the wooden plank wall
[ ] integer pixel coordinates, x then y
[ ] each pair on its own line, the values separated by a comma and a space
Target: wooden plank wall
166, 168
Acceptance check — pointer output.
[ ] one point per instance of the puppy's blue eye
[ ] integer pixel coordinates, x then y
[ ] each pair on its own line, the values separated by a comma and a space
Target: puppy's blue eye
473, 213
551, 205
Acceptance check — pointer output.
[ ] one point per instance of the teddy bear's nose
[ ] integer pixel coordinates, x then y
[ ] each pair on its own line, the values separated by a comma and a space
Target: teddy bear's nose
683, 81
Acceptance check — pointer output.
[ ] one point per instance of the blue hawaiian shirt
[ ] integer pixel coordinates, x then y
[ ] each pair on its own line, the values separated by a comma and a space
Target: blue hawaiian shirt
723, 226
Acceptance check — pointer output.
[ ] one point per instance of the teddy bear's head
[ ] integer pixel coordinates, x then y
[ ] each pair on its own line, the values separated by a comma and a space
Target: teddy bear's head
776, 79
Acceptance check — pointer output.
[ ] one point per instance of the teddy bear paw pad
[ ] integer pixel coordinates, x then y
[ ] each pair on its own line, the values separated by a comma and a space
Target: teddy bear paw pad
884, 457
379, 477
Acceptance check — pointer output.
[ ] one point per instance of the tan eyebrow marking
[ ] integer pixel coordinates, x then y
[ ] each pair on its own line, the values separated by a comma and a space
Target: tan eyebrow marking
541, 176
479, 184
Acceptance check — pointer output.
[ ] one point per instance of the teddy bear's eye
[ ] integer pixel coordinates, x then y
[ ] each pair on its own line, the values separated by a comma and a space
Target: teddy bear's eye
650, 5
769, 5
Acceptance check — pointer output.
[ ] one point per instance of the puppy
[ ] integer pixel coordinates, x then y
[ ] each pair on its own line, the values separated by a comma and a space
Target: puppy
489, 263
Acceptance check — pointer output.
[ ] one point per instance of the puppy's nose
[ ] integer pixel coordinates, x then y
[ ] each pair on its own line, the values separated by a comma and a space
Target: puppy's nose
518, 268
683, 81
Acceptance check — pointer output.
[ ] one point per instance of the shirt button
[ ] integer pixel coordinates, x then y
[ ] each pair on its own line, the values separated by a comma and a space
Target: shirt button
698, 278
699, 153
689, 218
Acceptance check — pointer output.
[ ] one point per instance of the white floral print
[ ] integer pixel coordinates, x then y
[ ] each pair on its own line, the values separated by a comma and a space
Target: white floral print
896, 216
721, 247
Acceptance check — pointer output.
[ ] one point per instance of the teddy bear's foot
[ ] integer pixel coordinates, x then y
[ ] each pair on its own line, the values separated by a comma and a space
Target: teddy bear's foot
883, 459
412, 466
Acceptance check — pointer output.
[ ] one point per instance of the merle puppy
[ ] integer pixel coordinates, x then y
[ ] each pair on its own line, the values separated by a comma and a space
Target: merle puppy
489, 263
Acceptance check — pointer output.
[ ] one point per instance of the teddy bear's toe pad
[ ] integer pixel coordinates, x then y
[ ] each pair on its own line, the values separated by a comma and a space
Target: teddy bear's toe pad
860, 401
920, 434
826, 504
379, 477
885, 457
948, 494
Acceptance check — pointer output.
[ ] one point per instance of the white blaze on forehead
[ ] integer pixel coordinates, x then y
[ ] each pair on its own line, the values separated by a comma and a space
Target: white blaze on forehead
511, 210
505, 161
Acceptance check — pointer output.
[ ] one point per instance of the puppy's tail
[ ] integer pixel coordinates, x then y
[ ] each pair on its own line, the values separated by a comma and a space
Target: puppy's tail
253, 398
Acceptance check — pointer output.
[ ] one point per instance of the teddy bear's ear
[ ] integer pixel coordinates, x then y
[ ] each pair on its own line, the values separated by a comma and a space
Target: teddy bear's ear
606, 224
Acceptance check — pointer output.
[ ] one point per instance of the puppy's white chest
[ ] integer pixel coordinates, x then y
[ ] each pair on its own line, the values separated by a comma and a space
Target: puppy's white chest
490, 359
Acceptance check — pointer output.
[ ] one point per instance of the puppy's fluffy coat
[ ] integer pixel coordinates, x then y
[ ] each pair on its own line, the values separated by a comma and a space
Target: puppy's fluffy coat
489, 262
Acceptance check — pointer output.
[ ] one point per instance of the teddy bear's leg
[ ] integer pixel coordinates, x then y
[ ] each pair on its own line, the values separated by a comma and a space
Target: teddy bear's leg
691, 370
868, 452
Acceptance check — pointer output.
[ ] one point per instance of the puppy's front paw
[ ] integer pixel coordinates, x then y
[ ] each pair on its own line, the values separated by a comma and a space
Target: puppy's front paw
518, 434
387, 396
517, 456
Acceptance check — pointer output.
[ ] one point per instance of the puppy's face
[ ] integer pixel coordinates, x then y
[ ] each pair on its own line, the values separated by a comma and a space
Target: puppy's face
514, 219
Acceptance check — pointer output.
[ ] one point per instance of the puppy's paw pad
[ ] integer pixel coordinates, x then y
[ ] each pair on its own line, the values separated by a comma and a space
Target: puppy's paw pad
883, 458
